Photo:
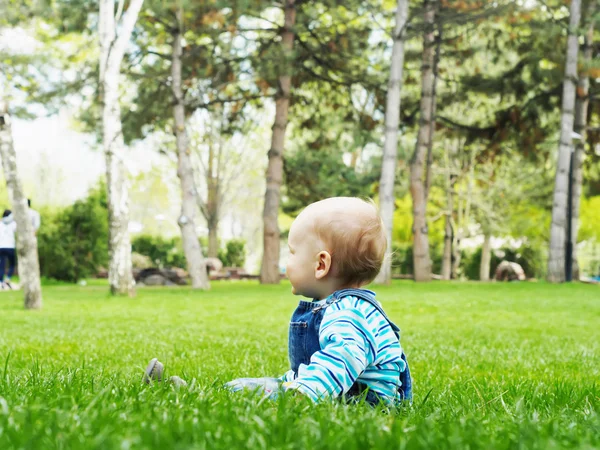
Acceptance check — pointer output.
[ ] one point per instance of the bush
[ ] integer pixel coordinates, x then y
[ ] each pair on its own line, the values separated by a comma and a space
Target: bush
234, 254
139, 261
73, 243
531, 258
168, 252
164, 252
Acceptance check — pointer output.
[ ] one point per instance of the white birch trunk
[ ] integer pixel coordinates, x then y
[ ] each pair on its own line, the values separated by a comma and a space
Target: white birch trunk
390, 148
269, 272
558, 228
29, 266
581, 113
418, 169
486, 258
112, 50
196, 264
448, 231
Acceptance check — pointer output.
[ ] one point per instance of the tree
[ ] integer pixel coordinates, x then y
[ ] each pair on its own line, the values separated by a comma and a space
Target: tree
211, 96
221, 158
112, 51
29, 267
421, 160
314, 174
558, 228
581, 115
191, 245
15, 73
269, 272
212, 206
390, 149
450, 179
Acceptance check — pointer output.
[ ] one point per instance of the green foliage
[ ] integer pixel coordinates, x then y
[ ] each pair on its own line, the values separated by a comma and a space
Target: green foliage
496, 366
500, 76
313, 175
402, 259
164, 252
73, 243
589, 216
168, 252
588, 258
403, 263
532, 258
234, 253
211, 64
403, 221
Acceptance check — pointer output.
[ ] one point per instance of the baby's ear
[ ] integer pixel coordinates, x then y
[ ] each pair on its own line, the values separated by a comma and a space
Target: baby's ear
323, 265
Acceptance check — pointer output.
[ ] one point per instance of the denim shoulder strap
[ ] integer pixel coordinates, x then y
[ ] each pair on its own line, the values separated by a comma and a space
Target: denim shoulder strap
368, 296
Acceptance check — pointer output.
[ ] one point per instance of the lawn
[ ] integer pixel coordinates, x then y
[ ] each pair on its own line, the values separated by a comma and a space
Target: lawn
494, 366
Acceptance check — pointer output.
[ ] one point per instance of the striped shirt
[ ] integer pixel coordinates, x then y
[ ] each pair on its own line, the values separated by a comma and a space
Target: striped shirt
357, 344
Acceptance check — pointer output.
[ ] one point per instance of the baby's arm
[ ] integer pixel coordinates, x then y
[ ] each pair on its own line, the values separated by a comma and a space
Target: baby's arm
346, 351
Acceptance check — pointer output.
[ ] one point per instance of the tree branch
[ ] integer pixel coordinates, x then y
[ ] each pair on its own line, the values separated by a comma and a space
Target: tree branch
118, 50
218, 101
162, 55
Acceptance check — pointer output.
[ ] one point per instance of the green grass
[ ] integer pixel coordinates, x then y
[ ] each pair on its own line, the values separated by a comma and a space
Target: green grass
494, 366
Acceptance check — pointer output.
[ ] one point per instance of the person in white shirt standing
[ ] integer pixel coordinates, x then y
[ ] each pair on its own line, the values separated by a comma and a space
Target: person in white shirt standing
36, 220
8, 227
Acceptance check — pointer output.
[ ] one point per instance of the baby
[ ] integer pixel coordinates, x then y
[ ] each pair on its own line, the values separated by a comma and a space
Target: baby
341, 344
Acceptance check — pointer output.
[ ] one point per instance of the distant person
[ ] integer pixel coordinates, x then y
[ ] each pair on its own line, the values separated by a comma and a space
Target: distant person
341, 342
8, 227
36, 220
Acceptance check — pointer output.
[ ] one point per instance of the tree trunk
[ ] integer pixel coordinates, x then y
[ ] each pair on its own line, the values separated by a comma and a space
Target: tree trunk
112, 50
390, 148
581, 113
191, 245
447, 256
558, 228
448, 231
486, 258
418, 169
29, 266
212, 202
456, 255
213, 241
356, 157
462, 217
269, 273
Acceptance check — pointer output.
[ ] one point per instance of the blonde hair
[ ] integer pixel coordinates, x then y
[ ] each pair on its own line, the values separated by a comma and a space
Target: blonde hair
355, 237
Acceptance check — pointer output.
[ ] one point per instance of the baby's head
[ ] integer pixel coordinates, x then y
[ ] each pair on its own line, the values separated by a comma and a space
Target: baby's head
334, 244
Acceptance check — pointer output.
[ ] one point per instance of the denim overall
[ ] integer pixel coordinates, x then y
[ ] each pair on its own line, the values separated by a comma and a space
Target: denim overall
304, 339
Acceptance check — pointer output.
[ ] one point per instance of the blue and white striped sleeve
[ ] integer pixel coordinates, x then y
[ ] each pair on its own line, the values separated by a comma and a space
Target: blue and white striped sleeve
290, 375
347, 348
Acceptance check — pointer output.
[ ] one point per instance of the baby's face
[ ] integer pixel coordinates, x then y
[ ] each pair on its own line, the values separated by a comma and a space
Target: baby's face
303, 260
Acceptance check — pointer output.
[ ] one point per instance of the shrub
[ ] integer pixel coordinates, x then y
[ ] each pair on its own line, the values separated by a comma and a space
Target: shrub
234, 254
73, 243
164, 252
531, 257
168, 252
139, 261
